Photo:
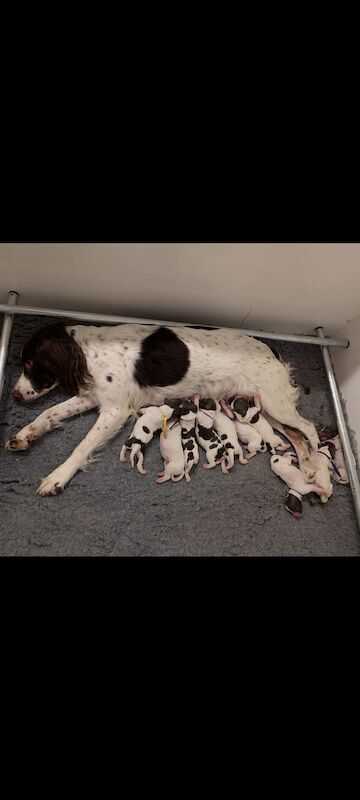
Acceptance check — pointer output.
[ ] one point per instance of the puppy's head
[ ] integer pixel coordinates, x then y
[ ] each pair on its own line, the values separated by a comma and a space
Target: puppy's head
207, 404
49, 358
175, 405
188, 408
240, 405
294, 505
330, 447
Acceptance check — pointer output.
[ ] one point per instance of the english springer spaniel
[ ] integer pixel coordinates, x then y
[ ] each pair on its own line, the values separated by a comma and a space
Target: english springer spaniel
119, 369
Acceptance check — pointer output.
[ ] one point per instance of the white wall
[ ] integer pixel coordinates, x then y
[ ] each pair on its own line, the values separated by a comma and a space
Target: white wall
289, 288
347, 369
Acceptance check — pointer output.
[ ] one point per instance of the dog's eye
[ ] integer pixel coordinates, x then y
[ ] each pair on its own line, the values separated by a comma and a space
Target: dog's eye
28, 364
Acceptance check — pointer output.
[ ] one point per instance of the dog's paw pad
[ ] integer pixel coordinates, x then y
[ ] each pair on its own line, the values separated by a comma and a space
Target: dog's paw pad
15, 444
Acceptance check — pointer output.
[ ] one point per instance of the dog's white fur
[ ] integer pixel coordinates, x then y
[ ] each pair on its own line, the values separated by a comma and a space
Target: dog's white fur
223, 363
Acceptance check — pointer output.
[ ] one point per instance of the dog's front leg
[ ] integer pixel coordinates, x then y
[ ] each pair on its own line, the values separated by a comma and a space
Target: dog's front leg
48, 420
108, 424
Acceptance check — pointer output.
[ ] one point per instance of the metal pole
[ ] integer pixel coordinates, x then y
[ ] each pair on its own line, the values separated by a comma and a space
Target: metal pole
342, 428
84, 316
5, 336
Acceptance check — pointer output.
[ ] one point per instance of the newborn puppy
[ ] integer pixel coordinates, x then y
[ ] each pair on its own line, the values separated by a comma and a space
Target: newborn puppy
226, 430
299, 444
188, 412
340, 474
253, 416
292, 476
151, 420
236, 407
206, 434
173, 455
324, 461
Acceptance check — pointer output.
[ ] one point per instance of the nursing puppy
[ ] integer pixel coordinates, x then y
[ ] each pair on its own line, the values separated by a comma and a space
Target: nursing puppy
206, 434
172, 452
188, 413
340, 473
226, 430
252, 409
151, 420
324, 460
247, 434
119, 369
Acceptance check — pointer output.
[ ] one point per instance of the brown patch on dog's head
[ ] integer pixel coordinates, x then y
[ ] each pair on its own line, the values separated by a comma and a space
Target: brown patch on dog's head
50, 356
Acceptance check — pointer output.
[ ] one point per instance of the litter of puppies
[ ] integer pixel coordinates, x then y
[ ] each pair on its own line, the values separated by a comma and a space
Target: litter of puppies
232, 427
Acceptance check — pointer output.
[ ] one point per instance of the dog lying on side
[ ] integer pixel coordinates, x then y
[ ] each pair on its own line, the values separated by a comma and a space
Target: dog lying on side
118, 369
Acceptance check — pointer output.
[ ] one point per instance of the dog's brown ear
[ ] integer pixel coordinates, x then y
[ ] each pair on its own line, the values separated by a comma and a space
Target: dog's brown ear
63, 356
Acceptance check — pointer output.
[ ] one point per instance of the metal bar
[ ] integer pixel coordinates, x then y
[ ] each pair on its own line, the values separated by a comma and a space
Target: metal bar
5, 336
342, 428
84, 316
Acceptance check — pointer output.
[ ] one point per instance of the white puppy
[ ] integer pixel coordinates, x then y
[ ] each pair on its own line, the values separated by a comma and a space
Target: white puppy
172, 452
206, 434
247, 434
292, 476
323, 460
252, 415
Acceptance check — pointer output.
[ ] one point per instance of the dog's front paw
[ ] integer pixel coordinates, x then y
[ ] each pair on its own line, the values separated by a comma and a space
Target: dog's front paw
17, 443
54, 483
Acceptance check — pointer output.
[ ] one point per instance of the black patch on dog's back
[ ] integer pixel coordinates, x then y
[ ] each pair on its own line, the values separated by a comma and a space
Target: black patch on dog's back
188, 434
164, 359
206, 433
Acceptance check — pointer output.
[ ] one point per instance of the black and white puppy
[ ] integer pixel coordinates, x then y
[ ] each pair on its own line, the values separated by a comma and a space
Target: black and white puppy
188, 415
119, 369
206, 434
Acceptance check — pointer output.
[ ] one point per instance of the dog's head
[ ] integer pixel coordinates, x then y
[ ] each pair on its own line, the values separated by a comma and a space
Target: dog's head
51, 357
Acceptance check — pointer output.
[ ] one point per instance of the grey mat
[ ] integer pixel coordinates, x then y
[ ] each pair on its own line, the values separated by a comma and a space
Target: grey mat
112, 510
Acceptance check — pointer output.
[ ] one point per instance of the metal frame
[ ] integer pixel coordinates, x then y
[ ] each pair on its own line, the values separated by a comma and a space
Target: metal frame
12, 308
5, 336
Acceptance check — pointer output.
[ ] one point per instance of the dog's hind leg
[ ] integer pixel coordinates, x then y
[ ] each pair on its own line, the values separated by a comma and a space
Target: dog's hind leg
306, 463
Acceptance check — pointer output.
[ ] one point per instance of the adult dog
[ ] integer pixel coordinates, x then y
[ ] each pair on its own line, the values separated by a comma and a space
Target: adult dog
119, 369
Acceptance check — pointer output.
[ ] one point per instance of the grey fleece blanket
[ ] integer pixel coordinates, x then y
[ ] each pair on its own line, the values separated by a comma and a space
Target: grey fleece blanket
111, 510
